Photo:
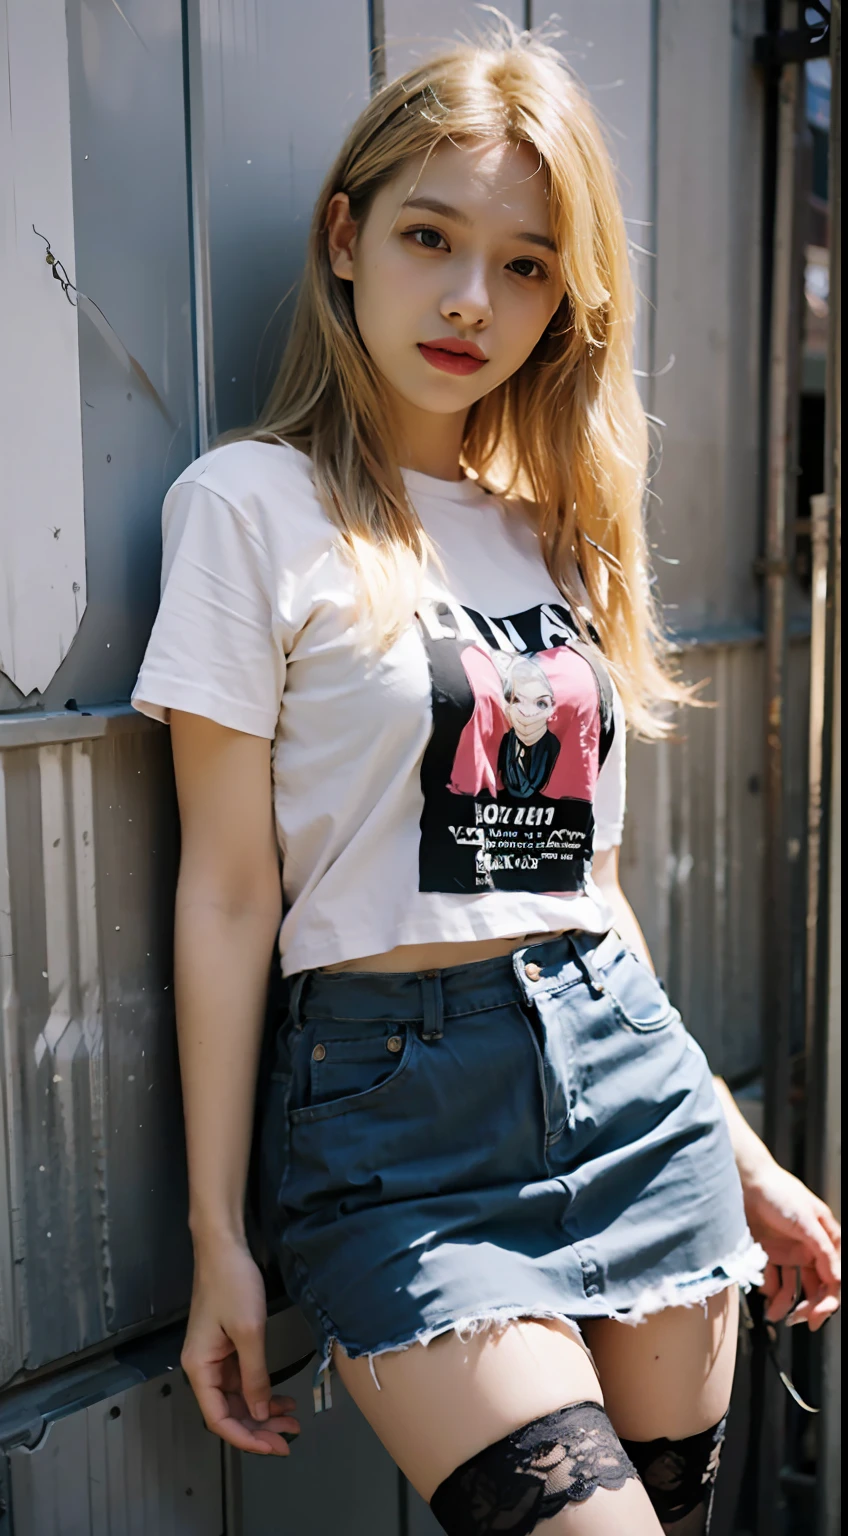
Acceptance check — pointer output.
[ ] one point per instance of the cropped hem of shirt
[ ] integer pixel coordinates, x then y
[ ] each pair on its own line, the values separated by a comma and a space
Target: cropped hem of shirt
468, 920
451, 788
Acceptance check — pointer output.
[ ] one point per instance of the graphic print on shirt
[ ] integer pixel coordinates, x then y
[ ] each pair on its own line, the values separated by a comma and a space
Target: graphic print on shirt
522, 722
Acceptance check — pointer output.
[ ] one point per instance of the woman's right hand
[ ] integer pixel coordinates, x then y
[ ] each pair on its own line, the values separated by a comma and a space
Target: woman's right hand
224, 1351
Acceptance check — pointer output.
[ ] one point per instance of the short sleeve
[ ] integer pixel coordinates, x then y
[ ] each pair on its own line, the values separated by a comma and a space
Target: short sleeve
610, 790
213, 649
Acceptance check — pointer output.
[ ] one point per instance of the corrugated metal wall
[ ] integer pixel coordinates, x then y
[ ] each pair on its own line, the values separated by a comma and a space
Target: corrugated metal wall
92, 1237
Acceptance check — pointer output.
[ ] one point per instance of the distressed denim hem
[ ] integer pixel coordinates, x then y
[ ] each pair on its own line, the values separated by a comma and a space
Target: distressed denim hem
744, 1267
493, 1320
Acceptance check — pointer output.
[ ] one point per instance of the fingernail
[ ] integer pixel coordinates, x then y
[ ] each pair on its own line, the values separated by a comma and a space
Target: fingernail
261, 1411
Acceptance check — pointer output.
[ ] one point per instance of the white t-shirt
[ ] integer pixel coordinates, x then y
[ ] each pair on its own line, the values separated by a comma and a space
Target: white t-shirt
449, 789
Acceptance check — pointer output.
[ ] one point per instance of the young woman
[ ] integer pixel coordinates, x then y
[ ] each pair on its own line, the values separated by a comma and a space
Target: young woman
489, 1144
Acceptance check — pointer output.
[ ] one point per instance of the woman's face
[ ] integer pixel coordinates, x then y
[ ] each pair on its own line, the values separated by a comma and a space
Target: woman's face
459, 256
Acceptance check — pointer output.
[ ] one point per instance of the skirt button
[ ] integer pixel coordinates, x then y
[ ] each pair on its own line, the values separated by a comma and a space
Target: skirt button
532, 971
394, 1043
319, 1052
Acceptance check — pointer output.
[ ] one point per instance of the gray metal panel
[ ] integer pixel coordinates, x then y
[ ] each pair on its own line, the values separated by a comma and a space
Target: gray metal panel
610, 48
132, 259
692, 854
709, 135
413, 36
421, 1521
93, 1142
281, 86
139, 1463
337, 1480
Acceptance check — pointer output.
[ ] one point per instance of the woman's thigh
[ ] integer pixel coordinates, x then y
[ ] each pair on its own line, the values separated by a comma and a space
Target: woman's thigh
670, 1376
439, 1405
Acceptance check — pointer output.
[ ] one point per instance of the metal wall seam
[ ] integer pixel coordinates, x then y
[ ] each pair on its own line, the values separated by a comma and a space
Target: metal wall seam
198, 212
377, 43
10, 1343
89, 1000
721, 852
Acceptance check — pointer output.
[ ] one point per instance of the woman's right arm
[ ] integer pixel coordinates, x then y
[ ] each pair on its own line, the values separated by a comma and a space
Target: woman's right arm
228, 911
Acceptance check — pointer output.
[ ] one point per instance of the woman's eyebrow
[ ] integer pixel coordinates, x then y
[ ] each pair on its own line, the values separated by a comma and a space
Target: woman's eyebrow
545, 240
432, 205
447, 211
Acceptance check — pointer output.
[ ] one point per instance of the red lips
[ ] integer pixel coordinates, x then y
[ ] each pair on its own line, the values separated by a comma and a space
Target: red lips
453, 344
452, 355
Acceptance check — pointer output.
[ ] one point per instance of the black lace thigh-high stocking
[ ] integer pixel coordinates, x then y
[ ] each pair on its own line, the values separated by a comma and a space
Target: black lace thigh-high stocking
529, 1476
679, 1478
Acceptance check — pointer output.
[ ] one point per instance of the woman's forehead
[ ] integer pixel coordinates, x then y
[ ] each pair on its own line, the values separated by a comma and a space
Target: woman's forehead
485, 180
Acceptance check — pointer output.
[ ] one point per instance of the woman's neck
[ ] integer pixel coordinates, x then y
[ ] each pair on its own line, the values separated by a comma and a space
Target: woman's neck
427, 442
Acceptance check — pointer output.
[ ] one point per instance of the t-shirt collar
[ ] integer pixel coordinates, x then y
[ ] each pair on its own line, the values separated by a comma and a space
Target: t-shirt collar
420, 485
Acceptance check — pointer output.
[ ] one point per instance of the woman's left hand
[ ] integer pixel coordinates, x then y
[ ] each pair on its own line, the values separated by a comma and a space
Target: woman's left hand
800, 1234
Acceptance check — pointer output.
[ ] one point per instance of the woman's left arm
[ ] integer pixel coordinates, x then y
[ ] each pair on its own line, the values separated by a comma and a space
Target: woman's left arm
798, 1231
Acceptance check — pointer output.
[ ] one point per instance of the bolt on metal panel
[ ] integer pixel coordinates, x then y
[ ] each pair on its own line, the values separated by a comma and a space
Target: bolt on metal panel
139, 1463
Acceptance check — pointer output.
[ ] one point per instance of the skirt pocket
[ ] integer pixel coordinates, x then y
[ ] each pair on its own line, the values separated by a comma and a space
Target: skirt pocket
638, 999
338, 1070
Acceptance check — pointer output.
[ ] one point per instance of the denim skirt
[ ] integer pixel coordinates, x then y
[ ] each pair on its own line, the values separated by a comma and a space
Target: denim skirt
534, 1136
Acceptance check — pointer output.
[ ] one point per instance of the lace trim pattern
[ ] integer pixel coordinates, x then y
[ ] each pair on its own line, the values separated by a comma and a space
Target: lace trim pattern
679, 1477
530, 1475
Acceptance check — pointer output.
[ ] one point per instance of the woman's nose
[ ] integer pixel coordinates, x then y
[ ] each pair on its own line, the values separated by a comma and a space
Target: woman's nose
468, 303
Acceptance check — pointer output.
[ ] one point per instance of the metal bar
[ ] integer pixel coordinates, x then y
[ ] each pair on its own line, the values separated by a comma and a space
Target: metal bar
198, 182
41, 728
377, 43
783, 381
782, 290
232, 1478
816, 936
825, 1038
731, 636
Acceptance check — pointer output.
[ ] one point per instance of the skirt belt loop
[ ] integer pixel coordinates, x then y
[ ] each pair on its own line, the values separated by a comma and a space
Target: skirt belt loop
587, 965
433, 1021
295, 996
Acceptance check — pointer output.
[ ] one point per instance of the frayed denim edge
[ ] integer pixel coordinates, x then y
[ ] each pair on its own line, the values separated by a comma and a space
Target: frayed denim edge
464, 1328
744, 1267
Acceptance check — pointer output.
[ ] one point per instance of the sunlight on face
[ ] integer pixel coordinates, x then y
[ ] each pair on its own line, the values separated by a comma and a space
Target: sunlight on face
461, 254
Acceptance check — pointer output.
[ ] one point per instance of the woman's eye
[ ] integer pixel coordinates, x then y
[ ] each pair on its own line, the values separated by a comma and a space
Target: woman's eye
430, 239
525, 266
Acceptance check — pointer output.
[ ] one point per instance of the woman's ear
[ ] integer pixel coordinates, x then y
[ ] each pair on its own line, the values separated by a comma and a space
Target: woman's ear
341, 235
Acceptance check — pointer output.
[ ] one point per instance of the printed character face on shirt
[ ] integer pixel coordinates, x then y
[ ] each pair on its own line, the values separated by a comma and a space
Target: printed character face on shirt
456, 250
529, 701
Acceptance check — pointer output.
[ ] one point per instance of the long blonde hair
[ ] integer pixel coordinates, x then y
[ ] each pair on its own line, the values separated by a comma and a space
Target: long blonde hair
566, 430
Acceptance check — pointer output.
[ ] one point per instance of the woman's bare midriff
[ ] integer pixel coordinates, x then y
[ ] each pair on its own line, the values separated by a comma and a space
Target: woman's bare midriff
439, 957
